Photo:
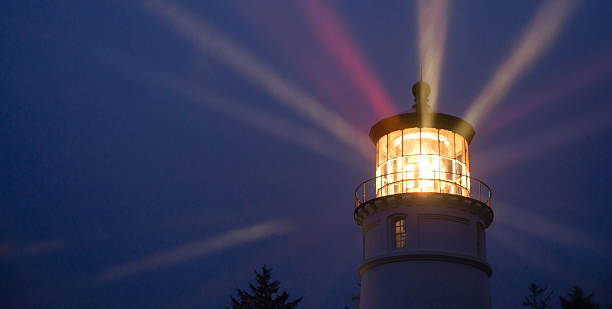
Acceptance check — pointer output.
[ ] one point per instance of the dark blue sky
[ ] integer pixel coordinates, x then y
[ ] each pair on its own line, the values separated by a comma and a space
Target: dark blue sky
142, 170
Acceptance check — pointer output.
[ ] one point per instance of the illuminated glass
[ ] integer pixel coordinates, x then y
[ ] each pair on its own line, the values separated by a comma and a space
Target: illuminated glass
447, 143
422, 160
399, 233
467, 157
410, 147
430, 143
461, 172
459, 152
395, 144
381, 150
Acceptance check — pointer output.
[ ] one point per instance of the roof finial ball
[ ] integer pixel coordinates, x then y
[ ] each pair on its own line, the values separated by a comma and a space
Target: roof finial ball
421, 91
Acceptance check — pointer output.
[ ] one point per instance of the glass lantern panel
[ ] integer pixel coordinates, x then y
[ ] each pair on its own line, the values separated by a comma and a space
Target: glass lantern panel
410, 173
394, 169
446, 168
412, 141
460, 178
429, 141
378, 180
422, 160
459, 151
447, 143
382, 150
467, 155
395, 144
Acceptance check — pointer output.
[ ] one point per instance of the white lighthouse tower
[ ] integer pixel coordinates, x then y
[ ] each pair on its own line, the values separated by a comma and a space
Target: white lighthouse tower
423, 217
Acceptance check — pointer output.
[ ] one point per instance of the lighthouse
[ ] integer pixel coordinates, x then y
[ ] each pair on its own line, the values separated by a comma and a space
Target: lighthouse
423, 216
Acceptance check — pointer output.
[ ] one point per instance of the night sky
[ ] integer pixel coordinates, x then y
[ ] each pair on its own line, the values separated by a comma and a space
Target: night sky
154, 154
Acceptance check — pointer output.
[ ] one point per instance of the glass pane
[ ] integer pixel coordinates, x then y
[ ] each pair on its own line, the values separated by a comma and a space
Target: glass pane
383, 191
447, 143
446, 175
410, 168
459, 153
395, 144
429, 141
382, 150
467, 157
460, 179
400, 233
378, 180
428, 167
399, 226
388, 172
411, 141
377, 153
394, 169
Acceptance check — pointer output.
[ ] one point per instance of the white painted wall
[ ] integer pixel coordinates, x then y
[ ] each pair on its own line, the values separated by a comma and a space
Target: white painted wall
431, 229
424, 285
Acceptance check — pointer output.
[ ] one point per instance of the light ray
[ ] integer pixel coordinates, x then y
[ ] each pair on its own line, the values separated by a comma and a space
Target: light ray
542, 31
432, 21
540, 143
258, 118
33, 249
273, 124
588, 73
528, 250
197, 249
213, 42
545, 228
339, 44
279, 28
528, 253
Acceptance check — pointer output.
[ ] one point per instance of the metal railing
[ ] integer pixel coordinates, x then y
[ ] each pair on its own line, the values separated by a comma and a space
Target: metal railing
451, 183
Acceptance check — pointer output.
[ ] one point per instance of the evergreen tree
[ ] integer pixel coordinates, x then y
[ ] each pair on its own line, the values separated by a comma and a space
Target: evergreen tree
264, 295
533, 300
577, 300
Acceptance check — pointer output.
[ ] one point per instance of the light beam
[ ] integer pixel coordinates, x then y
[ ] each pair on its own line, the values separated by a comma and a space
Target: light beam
432, 21
308, 138
542, 31
587, 73
545, 228
338, 42
535, 256
211, 41
196, 249
542, 142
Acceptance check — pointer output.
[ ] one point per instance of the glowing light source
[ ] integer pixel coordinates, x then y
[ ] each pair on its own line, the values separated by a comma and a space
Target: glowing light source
422, 160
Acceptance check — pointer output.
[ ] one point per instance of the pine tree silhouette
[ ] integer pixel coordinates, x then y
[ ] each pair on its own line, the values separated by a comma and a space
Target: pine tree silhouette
577, 300
533, 300
264, 295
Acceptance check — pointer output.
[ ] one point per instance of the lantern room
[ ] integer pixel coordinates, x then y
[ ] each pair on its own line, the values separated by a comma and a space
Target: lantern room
422, 151
422, 160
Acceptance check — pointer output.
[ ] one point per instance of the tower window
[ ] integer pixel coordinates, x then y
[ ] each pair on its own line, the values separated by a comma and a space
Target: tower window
399, 233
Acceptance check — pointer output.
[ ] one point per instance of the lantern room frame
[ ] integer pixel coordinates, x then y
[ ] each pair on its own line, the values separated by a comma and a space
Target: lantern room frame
458, 184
